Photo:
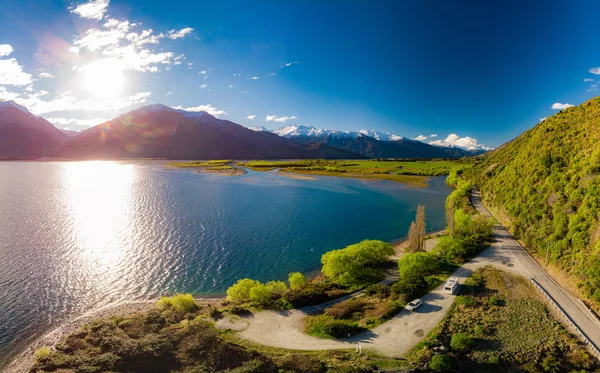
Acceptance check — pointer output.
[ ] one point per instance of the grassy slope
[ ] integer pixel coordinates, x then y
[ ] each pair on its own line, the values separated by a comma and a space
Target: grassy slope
510, 327
546, 185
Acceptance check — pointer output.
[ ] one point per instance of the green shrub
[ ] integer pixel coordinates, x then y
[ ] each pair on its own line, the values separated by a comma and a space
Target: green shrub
324, 326
495, 301
297, 280
465, 300
378, 290
240, 291
410, 286
42, 352
417, 264
460, 342
183, 303
441, 363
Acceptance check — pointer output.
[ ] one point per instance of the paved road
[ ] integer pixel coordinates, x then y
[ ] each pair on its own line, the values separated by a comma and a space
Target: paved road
569, 304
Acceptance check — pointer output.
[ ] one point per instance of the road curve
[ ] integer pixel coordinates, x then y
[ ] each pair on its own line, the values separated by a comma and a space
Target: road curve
570, 305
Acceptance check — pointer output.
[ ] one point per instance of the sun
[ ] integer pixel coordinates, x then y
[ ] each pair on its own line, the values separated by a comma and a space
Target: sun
104, 78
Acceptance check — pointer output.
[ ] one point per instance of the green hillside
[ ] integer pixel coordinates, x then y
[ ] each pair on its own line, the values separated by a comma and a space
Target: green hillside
546, 183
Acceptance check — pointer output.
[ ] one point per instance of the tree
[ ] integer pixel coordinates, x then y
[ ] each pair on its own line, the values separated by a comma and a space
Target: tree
450, 248
276, 287
460, 342
418, 264
261, 294
297, 280
421, 227
450, 216
413, 238
348, 265
240, 291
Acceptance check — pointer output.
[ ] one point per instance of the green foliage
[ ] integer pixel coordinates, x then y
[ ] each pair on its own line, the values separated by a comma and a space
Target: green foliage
417, 264
452, 179
441, 363
184, 303
378, 290
460, 342
410, 286
240, 291
42, 353
325, 326
277, 288
355, 262
465, 300
450, 248
297, 280
460, 196
261, 294
546, 184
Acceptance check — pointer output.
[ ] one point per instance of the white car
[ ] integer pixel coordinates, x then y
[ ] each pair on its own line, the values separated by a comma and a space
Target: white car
414, 305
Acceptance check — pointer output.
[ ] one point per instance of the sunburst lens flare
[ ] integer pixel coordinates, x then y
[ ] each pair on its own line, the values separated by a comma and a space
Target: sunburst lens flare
104, 78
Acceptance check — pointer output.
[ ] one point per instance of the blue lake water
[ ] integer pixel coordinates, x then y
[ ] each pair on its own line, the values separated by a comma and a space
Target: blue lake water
79, 235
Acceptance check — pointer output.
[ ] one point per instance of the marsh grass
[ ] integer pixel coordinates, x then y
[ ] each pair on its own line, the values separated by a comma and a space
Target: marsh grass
184, 303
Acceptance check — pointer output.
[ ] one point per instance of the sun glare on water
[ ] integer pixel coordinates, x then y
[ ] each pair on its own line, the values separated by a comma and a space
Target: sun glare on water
104, 78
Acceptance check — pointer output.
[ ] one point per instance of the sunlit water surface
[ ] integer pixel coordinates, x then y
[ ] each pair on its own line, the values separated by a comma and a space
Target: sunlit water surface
80, 235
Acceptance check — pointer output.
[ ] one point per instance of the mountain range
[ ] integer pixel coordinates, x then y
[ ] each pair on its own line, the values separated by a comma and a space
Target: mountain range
159, 131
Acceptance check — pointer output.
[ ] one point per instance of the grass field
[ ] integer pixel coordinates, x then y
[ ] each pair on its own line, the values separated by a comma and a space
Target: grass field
499, 323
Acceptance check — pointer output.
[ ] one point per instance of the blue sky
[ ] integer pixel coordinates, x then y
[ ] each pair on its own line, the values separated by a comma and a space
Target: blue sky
480, 70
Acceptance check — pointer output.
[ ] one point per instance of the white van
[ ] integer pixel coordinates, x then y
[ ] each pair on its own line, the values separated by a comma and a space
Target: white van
451, 285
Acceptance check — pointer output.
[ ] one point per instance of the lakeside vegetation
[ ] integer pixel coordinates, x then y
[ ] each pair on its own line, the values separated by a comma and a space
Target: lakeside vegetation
177, 336
500, 324
545, 186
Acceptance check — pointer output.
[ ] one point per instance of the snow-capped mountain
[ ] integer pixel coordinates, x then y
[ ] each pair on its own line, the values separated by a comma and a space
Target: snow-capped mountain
295, 132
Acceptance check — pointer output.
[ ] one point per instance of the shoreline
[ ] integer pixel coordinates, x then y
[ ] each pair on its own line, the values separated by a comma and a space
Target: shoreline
23, 359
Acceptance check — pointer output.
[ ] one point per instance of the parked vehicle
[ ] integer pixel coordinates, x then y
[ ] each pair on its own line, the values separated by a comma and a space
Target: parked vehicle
451, 285
413, 305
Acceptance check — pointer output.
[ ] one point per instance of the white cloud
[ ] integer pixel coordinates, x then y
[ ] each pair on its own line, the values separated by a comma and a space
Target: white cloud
272, 74
169, 93
11, 73
542, 119
206, 108
95, 9
204, 86
595, 70
7, 95
275, 118
237, 74
420, 138
46, 75
290, 64
231, 86
433, 135
559, 106
587, 80
251, 117
67, 102
463, 142
5, 50
254, 78
79, 122
179, 34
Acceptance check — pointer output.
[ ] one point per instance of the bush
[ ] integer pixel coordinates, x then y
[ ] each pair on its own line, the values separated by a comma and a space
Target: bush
440, 363
346, 309
261, 294
450, 248
297, 280
465, 300
460, 342
42, 352
378, 290
325, 326
410, 286
495, 301
240, 291
182, 303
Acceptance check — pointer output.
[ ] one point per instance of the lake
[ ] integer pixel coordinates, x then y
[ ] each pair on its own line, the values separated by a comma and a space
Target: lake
80, 235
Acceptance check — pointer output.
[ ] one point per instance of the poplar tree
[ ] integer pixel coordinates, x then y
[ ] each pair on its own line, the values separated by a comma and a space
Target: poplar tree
420, 223
450, 216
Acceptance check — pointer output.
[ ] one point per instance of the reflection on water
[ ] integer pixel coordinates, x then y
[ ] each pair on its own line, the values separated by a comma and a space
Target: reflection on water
99, 197
76, 236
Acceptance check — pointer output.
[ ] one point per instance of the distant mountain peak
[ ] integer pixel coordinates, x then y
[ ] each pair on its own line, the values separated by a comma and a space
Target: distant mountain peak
11, 103
156, 108
259, 129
